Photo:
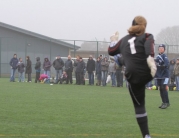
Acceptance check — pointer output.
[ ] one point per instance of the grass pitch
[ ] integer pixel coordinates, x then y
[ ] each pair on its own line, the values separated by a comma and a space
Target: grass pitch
72, 111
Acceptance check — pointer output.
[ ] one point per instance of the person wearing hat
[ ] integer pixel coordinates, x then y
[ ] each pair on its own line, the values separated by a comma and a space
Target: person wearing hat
176, 74
37, 69
58, 65
162, 76
28, 69
137, 49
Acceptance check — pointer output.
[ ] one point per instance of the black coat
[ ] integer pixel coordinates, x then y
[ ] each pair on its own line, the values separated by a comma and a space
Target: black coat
135, 58
90, 65
98, 67
69, 65
80, 66
58, 64
38, 64
28, 69
20, 67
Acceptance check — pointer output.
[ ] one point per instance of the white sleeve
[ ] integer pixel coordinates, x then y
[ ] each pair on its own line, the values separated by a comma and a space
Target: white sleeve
112, 44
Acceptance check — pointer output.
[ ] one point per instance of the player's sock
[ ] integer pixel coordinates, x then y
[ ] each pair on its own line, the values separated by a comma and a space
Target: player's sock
143, 124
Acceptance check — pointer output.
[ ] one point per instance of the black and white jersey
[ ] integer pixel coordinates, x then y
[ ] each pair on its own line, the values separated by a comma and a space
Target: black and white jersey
135, 50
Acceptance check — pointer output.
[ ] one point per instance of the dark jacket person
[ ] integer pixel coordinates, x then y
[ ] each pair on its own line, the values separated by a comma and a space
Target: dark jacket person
37, 69
28, 70
58, 65
13, 64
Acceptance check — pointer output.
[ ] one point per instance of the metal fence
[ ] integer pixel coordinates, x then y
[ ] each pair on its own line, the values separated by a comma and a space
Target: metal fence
23, 48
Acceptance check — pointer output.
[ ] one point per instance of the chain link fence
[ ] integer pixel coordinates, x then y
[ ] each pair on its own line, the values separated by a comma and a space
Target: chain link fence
10, 46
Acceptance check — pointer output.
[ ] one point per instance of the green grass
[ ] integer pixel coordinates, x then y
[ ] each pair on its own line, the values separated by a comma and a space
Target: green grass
68, 111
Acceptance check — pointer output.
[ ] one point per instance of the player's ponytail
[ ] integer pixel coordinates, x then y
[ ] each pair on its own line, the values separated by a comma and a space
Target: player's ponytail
138, 26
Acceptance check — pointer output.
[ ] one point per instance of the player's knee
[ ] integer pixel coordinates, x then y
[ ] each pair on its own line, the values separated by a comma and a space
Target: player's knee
163, 88
140, 109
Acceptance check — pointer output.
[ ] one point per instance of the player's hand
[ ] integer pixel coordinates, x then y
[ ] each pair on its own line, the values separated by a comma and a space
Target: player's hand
114, 39
152, 66
159, 60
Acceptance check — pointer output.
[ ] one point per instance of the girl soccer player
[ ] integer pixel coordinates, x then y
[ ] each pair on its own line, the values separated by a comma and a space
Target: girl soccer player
137, 49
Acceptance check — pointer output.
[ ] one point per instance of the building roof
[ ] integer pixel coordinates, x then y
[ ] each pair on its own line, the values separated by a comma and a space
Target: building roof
38, 35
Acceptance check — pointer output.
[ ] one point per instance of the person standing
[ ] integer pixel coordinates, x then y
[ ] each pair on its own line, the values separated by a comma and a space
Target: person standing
176, 74
37, 69
20, 67
75, 66
100, 57
98, 71
137, 49
69, 69
90, 68
46, 66
80, 72
28, 69
119, 70
58, 65
112, 72
171, 68
13, 63
119, 75
162, 76
104, 70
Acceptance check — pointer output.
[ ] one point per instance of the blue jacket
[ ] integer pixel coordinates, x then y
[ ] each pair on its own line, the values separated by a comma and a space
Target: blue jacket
13, 63
162, 63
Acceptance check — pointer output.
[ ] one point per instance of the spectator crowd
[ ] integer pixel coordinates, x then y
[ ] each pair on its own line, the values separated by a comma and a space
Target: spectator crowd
101, 68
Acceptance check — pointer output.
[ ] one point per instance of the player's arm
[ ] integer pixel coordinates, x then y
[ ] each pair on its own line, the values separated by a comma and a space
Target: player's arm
166, 61
149, 51
149, 45
114, 48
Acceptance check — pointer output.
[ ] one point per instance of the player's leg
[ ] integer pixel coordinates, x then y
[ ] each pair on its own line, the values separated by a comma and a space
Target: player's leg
165, 93
159, 83
137, 93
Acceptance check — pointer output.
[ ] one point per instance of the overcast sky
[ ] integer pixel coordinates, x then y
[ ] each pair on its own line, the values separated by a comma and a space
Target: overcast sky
87, 19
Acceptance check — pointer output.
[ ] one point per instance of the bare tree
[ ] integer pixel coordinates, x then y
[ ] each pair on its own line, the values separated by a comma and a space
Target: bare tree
169, 35
92, 45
